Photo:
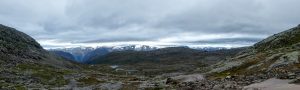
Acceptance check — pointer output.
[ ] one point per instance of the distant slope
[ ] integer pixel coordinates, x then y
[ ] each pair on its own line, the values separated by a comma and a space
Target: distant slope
97, 52
63, 54
77, 52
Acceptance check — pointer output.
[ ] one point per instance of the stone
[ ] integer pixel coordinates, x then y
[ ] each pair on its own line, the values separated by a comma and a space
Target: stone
218, 87
228, 77
171, 81
292, 75
296, 81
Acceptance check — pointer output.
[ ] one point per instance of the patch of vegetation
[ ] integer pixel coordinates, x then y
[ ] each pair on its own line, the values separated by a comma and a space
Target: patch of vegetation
46, 75
240, 70
155, 88
297, 65
11, 86
20, 88
89, 80
3, 84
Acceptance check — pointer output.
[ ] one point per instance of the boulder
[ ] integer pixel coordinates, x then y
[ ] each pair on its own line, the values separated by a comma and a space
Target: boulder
172, 81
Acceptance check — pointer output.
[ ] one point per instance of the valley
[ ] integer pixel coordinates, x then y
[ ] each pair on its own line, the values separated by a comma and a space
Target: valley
24, 64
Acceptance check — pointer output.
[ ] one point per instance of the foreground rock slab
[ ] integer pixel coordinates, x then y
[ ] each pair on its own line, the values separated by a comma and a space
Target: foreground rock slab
273, 84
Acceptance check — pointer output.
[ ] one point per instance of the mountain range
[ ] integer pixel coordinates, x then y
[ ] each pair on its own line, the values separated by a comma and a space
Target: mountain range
83, 54
163, 56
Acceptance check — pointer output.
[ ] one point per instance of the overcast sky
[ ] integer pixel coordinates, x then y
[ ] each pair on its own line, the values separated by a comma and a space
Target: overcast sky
229, 23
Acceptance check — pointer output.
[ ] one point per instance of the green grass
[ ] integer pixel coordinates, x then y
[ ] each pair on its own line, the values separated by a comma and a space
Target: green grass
89, 80
20, 88
240, 70
47, 75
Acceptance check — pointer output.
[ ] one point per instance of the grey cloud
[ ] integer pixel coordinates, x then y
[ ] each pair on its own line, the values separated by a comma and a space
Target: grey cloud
228, 41
119, 40
148, 20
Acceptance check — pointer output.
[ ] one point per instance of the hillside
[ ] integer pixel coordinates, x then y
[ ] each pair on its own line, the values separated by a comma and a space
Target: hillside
277, 54
96, 52
16, 47
15, 43
63, 54
23, 62
280, 40
272, 61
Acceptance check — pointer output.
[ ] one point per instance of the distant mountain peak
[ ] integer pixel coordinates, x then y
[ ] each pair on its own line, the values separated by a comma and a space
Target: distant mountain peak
83, 53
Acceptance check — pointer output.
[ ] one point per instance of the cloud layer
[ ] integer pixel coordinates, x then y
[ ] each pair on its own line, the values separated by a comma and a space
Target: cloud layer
60, 23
